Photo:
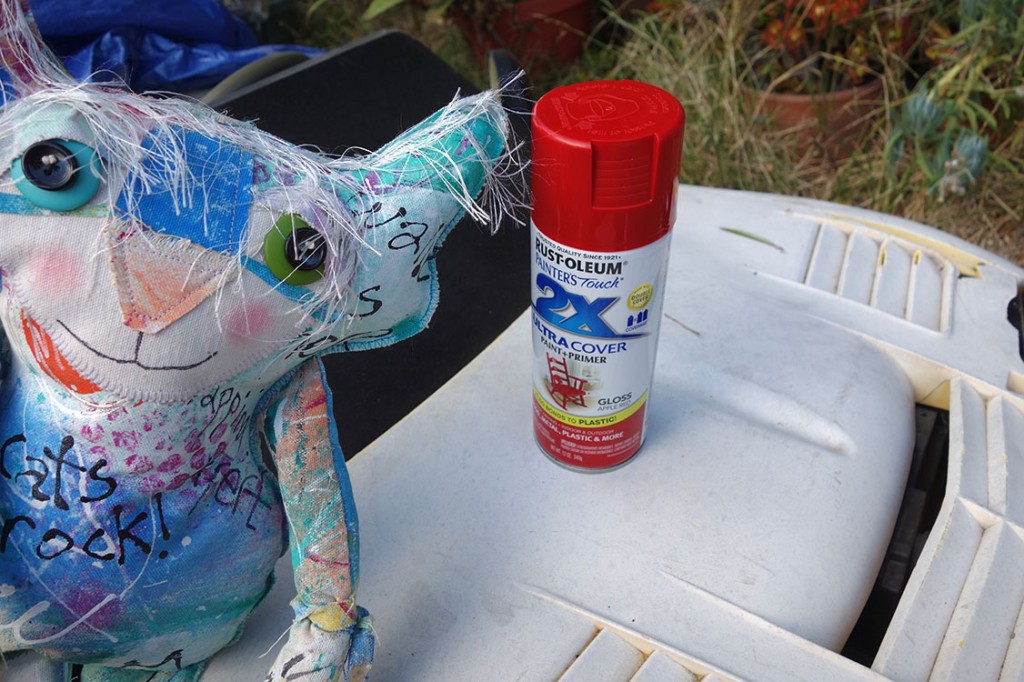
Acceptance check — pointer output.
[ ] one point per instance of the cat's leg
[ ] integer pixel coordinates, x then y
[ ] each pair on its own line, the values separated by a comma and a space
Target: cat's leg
331, 638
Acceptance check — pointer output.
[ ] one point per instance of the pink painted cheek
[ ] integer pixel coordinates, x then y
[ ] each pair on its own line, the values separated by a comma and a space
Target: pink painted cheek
56, 273
249, 320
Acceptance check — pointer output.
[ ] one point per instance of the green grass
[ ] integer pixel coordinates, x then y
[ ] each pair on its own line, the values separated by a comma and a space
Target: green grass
688, 49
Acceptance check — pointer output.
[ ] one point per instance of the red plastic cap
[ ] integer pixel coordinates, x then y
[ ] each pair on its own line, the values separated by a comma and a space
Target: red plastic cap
605, 164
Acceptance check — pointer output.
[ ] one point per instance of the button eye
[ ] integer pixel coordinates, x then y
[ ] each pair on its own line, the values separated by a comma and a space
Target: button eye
294, 251
49, 166
59, 175
305, 249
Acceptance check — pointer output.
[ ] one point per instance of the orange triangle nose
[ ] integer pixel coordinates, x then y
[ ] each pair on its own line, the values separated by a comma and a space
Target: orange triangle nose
160, 278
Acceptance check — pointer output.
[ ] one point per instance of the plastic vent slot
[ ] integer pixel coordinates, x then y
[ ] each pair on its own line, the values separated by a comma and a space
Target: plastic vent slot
886, 274
964, 601
922, 499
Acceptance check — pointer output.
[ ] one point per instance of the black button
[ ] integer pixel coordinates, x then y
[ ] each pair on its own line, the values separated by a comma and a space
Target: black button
305, 249
49, 165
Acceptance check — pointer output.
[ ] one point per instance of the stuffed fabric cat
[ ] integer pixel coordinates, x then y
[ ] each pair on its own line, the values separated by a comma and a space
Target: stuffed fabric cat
169, 277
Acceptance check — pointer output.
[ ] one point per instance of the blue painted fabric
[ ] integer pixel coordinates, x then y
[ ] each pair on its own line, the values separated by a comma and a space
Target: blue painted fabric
221, 192
133, 507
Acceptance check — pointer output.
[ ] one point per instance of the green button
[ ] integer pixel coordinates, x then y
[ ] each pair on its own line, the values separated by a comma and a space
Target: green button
284, 255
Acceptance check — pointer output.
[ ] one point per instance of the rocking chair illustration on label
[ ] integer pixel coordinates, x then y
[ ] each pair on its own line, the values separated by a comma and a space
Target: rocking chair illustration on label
565, 388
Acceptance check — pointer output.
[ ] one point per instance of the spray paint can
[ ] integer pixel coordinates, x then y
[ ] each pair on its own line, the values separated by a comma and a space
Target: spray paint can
605, 168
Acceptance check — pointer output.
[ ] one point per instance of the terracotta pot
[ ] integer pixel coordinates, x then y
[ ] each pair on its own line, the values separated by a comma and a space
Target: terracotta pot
538, 32
832, 120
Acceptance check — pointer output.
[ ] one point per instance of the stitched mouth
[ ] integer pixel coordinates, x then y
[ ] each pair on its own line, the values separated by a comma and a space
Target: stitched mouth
134, 360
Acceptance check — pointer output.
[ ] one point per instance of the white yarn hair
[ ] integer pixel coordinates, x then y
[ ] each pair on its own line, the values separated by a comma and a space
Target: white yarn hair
120, 120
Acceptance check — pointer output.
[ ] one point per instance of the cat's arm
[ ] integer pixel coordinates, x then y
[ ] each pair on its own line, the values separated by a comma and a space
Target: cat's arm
331, 638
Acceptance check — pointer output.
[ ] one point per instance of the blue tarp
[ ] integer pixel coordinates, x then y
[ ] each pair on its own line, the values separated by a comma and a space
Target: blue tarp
174, 45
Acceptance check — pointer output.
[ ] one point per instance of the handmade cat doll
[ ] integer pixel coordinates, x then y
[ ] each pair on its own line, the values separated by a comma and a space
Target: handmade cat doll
169, 277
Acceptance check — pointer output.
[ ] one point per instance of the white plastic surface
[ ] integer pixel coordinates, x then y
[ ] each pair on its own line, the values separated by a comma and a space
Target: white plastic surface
742, 541
752, 521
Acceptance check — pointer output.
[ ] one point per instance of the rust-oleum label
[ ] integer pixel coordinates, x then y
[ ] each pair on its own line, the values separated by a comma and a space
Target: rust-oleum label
595, 336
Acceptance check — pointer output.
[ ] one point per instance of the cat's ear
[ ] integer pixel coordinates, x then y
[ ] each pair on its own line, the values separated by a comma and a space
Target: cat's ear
26, 64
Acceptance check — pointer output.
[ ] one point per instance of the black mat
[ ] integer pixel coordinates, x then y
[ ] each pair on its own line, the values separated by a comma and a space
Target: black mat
364, 95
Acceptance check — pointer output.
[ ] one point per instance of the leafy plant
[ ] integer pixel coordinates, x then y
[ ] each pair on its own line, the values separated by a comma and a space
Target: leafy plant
978, 60
928, 138
971, 99
824, 45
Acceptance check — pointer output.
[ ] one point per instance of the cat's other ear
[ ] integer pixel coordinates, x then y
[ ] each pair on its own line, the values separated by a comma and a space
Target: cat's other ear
26, 64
